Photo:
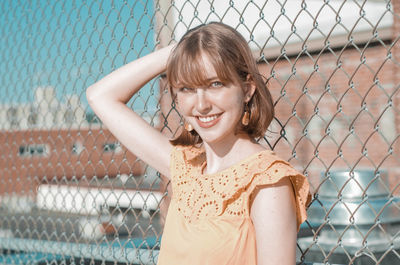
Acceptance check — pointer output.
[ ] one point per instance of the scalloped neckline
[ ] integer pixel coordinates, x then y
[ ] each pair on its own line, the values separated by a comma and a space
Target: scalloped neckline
235, 165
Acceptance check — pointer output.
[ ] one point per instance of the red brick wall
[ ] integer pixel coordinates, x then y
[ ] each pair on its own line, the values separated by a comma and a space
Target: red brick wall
22, 175
396, 58
347, 91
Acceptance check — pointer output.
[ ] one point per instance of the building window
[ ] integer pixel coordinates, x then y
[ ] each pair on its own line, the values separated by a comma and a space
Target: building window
77, 148
33, 150
92, 118
33, 116
12, 116
69, 116
112, 147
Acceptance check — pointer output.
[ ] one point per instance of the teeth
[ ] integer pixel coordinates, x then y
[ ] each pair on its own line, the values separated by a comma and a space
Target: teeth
208, 119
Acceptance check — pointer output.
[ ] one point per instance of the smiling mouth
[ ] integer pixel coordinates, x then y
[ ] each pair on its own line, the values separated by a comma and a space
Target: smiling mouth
208, 121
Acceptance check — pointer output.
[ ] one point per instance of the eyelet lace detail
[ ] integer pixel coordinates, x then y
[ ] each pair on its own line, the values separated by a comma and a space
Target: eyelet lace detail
228, 192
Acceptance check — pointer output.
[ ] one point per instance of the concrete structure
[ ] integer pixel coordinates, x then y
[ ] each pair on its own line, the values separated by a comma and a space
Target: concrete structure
49, 142
46, 112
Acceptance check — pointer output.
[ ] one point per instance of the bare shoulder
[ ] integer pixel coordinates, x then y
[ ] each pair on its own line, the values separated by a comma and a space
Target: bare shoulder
273, 196
273, 213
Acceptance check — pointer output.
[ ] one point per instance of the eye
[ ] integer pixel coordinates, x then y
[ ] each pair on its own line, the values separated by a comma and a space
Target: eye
216, 84
186, 89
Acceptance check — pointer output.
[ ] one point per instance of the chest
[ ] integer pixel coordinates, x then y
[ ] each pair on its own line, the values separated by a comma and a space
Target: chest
202, 197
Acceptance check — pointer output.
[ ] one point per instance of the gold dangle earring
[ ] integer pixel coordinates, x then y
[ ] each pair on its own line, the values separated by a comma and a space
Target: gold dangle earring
246, 115
188, 127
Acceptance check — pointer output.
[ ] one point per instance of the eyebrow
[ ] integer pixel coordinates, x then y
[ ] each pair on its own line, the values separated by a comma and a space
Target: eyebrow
212, 78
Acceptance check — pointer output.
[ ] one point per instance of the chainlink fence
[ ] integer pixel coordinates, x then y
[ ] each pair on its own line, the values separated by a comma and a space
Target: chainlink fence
71, 194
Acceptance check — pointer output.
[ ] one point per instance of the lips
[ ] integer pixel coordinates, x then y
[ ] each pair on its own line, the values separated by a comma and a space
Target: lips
208, 121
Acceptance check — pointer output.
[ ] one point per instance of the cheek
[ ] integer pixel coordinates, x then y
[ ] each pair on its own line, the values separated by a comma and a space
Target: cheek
238, 107
183, 104
236, 95
237, 103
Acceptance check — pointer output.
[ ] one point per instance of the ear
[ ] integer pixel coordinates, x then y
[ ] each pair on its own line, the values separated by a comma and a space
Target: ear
249, 88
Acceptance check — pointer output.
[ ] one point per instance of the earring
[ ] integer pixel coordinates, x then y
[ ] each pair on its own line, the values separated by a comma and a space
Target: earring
188, 127
246, 115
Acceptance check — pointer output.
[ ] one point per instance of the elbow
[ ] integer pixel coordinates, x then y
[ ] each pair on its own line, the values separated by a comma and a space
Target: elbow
96, 93
90, 94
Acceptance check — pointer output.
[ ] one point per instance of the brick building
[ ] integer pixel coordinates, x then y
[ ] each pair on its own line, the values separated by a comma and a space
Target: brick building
337, 108
331, 75
62, 157
49, 142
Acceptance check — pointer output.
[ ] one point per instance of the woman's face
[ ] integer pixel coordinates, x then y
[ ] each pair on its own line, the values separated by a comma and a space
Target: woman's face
214, 109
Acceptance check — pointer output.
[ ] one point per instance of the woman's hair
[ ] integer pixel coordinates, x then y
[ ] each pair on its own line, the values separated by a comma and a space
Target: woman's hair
233, 62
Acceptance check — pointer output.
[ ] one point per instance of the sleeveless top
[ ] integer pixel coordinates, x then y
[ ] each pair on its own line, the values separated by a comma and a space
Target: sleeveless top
208, 220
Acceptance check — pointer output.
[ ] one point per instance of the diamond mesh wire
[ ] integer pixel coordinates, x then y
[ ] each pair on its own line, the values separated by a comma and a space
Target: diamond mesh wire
70, 193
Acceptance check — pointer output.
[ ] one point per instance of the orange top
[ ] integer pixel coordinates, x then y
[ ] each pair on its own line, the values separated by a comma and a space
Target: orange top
208, 220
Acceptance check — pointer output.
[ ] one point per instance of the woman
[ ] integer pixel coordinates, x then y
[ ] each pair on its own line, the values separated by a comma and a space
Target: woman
233, 202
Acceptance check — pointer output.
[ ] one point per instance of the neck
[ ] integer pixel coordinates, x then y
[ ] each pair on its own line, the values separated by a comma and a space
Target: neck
224, 154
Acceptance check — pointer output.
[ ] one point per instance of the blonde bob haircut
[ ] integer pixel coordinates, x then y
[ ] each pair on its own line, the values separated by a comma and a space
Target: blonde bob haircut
233, 62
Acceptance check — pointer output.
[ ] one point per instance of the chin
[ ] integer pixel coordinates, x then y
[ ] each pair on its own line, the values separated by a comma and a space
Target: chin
217, 134
210, 139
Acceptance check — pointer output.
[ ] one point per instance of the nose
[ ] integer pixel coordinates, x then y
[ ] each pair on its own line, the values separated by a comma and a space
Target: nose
203, 105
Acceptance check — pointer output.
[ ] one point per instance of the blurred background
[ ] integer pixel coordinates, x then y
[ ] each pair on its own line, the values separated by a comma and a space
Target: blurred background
71, 193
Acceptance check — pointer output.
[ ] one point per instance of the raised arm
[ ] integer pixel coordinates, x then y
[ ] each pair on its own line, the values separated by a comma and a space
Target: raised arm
108, 98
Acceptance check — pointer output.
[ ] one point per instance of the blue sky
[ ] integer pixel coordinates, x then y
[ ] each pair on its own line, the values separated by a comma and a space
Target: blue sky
70, 44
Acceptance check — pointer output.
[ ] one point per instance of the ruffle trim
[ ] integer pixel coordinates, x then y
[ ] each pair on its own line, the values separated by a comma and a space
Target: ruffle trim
277, 171
201, 195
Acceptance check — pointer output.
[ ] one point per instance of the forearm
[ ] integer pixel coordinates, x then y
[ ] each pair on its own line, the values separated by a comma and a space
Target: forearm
124, 82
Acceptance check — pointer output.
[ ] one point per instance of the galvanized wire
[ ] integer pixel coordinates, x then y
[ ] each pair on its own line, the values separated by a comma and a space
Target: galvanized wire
70, 193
